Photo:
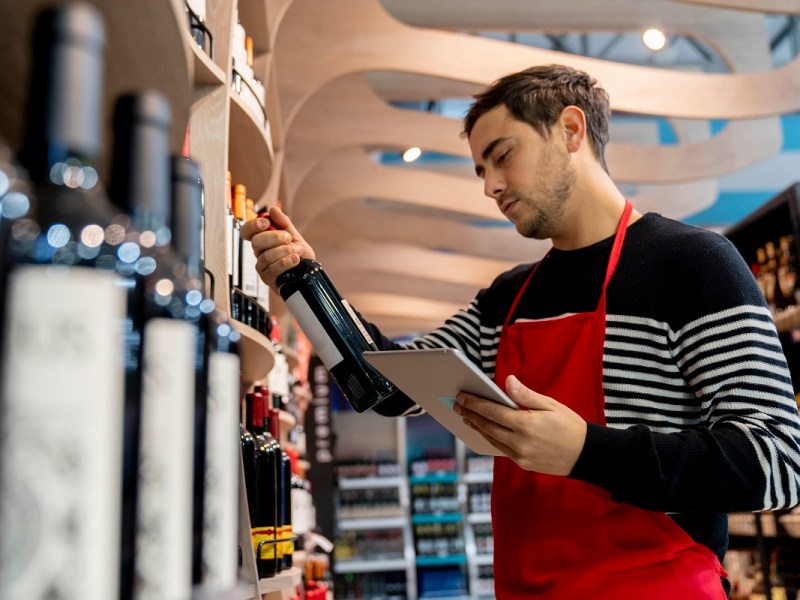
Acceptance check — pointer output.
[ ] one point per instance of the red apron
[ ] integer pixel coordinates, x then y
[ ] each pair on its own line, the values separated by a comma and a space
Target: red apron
563, 539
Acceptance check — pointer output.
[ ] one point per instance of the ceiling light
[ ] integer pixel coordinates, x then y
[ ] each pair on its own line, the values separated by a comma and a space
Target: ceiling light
412, 154
654, 39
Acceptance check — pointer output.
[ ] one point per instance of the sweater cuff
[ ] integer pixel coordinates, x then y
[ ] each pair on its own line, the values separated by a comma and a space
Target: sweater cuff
601, 456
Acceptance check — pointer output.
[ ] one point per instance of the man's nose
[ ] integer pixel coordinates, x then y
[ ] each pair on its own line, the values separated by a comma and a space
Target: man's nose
493, 185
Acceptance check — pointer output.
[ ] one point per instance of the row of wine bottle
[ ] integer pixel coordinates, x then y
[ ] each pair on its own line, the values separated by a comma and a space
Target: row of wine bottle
119, 379
269, 480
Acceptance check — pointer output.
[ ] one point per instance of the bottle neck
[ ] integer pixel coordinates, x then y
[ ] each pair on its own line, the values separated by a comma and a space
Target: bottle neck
275, 423
255, 414
66, 97
140, 173
187, 213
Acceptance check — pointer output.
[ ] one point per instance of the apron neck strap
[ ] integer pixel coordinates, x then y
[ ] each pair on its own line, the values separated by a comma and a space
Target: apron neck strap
616, 250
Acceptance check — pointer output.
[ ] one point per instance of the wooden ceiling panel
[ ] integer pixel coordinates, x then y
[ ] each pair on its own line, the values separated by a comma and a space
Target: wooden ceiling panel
404, 243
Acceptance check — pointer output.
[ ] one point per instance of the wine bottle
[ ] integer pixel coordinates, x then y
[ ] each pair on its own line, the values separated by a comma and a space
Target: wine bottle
247, 444
62, 317
217, 366
264, 519
285, 493
170, 293
335, 332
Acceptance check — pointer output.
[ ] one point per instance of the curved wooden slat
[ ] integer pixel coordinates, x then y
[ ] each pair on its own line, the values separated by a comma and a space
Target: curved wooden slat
782, 7
404, 259
367, 39
347, 113
389, 222
351, 174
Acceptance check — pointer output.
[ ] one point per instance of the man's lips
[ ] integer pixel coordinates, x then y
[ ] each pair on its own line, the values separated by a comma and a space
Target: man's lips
505, 206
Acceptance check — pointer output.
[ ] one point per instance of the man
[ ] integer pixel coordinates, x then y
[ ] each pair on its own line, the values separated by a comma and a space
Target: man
658, 395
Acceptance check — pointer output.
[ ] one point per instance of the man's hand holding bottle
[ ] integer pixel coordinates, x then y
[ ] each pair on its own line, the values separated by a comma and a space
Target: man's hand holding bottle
277, 245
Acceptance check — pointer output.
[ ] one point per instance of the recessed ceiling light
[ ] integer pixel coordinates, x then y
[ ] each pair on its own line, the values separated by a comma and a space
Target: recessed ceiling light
412, 154
654, 39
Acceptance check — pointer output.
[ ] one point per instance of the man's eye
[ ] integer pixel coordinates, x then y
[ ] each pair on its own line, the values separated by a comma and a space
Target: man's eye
502, 157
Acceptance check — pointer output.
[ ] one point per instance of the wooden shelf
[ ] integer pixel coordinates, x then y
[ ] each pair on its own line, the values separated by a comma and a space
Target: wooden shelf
250, 156
206, 71
256, 352
284, 580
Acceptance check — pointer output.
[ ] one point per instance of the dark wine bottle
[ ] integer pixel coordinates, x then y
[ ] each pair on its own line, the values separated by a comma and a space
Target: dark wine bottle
335, 332
247, 445
284, 494
216, 480
164, 493
186, 216
264, 520
62, 317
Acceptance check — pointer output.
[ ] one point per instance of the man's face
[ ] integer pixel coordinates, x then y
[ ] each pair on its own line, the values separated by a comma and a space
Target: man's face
529, 177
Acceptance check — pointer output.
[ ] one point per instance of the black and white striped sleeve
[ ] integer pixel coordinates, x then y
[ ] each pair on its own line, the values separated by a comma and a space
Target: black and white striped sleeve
720, 432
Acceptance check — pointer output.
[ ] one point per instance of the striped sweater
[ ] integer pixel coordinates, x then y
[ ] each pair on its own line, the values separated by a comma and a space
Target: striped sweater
700, 411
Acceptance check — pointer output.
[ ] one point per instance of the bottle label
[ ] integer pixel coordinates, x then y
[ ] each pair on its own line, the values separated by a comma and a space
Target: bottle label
357, 321
262, 296
229, 244
164, 516
264, 534
326, 349
288, 545
221, 518
237, 266
249, 274
63, 394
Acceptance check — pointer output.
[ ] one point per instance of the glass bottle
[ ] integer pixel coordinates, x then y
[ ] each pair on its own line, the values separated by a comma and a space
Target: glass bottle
63, 312
335, 332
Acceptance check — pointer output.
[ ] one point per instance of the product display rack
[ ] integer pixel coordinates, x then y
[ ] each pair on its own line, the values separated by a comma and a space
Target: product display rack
479, 586
453, 509
398, 522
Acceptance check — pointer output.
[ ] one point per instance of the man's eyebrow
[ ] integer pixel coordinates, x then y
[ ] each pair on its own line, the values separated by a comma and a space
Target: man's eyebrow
487, 151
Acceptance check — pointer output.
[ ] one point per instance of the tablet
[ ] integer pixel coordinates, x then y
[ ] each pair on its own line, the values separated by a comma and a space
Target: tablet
432, 378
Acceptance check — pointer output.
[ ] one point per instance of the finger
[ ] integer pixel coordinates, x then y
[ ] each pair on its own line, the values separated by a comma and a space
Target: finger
267, 240
272, 263
281, 221
254, 227
488, 409
526, 397
481, 414
506, 450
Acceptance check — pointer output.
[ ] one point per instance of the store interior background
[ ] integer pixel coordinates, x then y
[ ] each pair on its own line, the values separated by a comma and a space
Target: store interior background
704, 130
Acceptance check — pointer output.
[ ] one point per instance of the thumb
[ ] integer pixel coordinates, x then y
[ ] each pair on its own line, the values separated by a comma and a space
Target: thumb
525, 396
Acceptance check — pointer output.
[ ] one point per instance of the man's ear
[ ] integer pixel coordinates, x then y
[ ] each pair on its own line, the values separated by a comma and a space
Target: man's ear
573, 123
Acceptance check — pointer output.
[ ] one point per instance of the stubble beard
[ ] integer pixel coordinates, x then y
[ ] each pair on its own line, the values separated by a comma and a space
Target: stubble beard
544, 222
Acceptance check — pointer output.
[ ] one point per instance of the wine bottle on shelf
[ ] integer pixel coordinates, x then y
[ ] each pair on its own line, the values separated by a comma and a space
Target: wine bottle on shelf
265, 515
335, 332
170, 309
284, 495
239, 213
63, 313
249, 277
247, 444
229, 230
217, 366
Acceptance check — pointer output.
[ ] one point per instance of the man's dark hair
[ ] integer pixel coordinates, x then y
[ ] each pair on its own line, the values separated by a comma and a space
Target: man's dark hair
538, 95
